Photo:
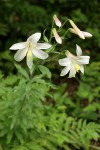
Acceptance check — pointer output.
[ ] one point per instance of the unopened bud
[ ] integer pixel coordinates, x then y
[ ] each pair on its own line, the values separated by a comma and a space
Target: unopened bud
57, 37
57, 21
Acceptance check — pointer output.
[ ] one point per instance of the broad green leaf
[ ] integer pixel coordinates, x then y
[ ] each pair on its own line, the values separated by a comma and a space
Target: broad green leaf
22, 71
45, 71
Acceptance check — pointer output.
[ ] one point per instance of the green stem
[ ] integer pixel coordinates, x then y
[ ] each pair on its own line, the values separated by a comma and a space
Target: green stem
62, 25
52, 57
51, 31
31, 73
65, 33
65, 22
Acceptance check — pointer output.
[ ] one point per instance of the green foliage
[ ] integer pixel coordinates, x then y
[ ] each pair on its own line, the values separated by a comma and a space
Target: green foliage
34, 114
20, 105
88, 94
90, 82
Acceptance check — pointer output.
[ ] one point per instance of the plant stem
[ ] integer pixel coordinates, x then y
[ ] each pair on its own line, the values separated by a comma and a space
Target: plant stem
51, 31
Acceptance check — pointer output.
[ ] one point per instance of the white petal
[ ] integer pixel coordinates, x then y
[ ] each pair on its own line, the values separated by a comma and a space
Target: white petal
39, 54
43, 45
82, 68
20, 45
70, 55
34, 38
78, 50
30, 60
65, 71
20, 54
83, 59
87, 34
64, 61
78, 31
72, 71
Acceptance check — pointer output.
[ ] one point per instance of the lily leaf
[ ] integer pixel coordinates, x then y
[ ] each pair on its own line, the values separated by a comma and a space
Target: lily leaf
45, 71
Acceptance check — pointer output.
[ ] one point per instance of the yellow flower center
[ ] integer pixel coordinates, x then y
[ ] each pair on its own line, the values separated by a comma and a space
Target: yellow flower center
77, 67
29, 54
30, 47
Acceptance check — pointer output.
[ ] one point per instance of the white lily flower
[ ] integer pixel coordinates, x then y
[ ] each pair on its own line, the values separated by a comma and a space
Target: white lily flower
30, 48
57, 21
73, 63
78, 32
56, 35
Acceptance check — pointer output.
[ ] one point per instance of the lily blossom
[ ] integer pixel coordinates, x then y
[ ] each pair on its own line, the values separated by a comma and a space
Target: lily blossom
72, 63
78, 32
30, 48
57, 21
56, 35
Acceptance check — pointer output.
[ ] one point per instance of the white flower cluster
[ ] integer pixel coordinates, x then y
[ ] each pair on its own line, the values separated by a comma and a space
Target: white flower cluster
32, 48
71, 63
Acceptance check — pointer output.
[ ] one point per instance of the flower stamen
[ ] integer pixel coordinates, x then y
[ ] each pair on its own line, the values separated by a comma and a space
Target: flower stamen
29, 54
77, 68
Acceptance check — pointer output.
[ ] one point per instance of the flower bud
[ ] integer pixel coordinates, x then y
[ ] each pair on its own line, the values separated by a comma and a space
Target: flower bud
57, 37
57, 21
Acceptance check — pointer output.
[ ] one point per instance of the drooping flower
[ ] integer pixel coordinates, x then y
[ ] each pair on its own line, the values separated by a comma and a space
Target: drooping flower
78, 32
56, 35
57, 21
30, 48
73, 63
